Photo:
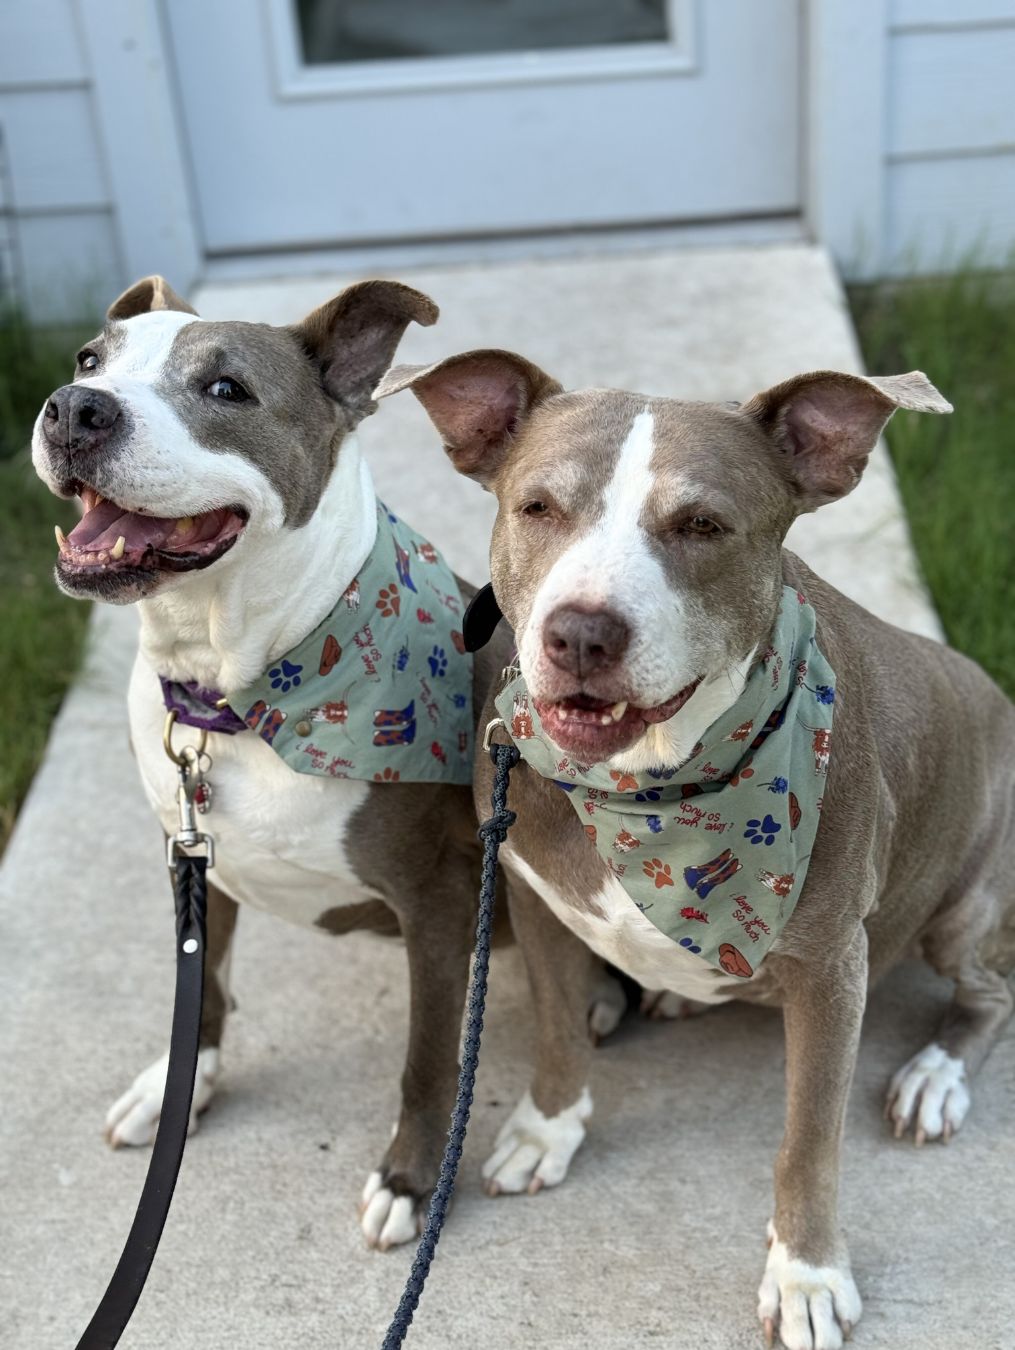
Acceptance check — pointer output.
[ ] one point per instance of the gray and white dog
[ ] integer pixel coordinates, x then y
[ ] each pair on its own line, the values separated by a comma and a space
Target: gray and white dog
638, 555
224, 491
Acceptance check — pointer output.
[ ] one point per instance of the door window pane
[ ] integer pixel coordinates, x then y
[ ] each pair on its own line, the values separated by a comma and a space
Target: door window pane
385, 30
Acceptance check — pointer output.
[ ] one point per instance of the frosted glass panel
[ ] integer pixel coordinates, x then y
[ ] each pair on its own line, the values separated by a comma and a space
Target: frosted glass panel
386, 30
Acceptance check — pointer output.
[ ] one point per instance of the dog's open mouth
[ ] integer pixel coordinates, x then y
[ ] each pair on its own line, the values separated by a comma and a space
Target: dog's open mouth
108, 539
594, 729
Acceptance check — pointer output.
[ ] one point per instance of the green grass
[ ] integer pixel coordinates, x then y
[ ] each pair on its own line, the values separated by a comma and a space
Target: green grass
957, 473
41, 630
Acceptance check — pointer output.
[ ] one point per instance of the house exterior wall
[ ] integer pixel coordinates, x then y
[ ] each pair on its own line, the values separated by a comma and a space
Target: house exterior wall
949, 154
59, 253
909, 133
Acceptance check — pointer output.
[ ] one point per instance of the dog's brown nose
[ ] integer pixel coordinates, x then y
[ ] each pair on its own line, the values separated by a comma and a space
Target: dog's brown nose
583, 641
78, 418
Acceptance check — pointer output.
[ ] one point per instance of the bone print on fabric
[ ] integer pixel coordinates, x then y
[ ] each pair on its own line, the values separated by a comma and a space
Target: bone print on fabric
381, 690
713, 851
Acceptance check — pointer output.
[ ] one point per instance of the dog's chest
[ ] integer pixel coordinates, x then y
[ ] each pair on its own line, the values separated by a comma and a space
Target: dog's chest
615, 928
279, 835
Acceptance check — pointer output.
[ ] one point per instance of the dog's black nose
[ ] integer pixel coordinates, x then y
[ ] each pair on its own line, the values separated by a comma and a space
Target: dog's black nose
583, 641
79, 418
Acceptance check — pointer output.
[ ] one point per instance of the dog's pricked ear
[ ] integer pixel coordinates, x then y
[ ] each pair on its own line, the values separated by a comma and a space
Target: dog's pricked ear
145, 295
353, 337
827, 423
476, 401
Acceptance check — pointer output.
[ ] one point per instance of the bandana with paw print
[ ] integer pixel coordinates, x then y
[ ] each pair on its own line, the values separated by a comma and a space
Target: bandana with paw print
381, 690
713, 851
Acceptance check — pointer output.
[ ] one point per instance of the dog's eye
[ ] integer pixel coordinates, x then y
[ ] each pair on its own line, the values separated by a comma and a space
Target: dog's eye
230, 390
700, 525
535, 509
87, 360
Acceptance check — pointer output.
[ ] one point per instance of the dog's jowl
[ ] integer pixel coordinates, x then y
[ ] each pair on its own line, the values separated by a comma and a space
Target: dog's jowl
736, 783
314, 637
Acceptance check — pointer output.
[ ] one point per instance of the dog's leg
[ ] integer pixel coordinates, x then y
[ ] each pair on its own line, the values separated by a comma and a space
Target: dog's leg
808, 1289
930, 1093
134, 1117
537, 1142
396, 1195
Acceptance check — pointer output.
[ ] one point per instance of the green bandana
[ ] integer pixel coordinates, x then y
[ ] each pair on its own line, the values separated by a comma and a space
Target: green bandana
382, 689
714, 851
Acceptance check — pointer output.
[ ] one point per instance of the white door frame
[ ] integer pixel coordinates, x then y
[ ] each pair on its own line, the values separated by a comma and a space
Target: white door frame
843, 104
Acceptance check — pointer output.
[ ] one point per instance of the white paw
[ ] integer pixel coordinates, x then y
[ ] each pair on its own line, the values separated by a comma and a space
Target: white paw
533, 1150
387, 1219
133, 1118
930, 1094
663, 1005
813, 1307
609, 1003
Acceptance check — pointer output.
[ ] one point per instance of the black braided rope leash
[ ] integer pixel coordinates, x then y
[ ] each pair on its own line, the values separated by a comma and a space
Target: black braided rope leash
118, 1302
493, 832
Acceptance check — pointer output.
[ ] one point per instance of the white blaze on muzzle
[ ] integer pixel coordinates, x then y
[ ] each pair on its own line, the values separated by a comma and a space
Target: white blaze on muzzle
614, 567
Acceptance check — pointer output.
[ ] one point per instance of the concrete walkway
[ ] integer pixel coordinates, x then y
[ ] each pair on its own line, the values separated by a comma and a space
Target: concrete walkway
657, 1237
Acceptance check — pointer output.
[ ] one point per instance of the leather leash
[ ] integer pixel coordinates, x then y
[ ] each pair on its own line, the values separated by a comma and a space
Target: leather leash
190, 892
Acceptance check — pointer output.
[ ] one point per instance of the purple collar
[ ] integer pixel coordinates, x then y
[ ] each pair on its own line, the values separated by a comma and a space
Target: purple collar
198, 707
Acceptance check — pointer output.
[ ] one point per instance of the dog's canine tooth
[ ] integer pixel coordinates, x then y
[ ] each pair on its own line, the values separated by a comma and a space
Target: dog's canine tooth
617, 711
117, 550
61, 538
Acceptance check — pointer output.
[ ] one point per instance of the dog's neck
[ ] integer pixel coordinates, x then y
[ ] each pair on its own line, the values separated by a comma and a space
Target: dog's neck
224, 626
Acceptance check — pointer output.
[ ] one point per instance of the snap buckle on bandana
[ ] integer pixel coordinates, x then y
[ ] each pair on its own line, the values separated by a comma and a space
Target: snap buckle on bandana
713, 851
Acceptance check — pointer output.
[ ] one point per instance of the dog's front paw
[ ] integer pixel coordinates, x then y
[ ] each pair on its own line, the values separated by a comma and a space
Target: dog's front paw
811, 1307
930, 1094
389, 1214
133, 1119
533, 1150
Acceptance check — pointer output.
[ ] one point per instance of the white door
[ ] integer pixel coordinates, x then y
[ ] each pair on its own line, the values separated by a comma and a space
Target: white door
316, 123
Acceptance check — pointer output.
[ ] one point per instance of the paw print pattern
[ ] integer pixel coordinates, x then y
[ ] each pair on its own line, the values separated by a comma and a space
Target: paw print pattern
690, 945
649, 795
824, 693
658, 871
654, 823
626, 782
389, 601
388, 776
285, 676
762, 831
438, 662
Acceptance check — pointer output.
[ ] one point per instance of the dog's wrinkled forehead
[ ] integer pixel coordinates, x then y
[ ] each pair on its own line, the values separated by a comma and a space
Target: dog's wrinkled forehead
582, 446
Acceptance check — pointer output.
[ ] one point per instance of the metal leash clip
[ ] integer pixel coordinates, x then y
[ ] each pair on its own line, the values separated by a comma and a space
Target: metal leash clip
192, 793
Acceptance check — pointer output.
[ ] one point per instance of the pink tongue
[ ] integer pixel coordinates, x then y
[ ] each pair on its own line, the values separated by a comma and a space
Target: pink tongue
104, 524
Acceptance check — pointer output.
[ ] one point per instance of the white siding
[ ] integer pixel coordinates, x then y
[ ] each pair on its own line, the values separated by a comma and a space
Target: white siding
949, 149
58, 242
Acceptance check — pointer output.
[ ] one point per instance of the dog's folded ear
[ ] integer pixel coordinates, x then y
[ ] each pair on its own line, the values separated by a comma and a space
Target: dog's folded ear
827, 423
145, 295
476, 401
353, 337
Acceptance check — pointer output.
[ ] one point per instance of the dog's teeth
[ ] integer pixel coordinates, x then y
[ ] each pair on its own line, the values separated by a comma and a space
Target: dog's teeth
185, 524
61, 538
103, 556
606, 719
617, 711
117, 550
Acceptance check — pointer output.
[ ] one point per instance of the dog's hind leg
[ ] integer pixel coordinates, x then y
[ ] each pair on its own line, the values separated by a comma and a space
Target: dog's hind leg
134, 1117
396, 1195
573, 996
974, 944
